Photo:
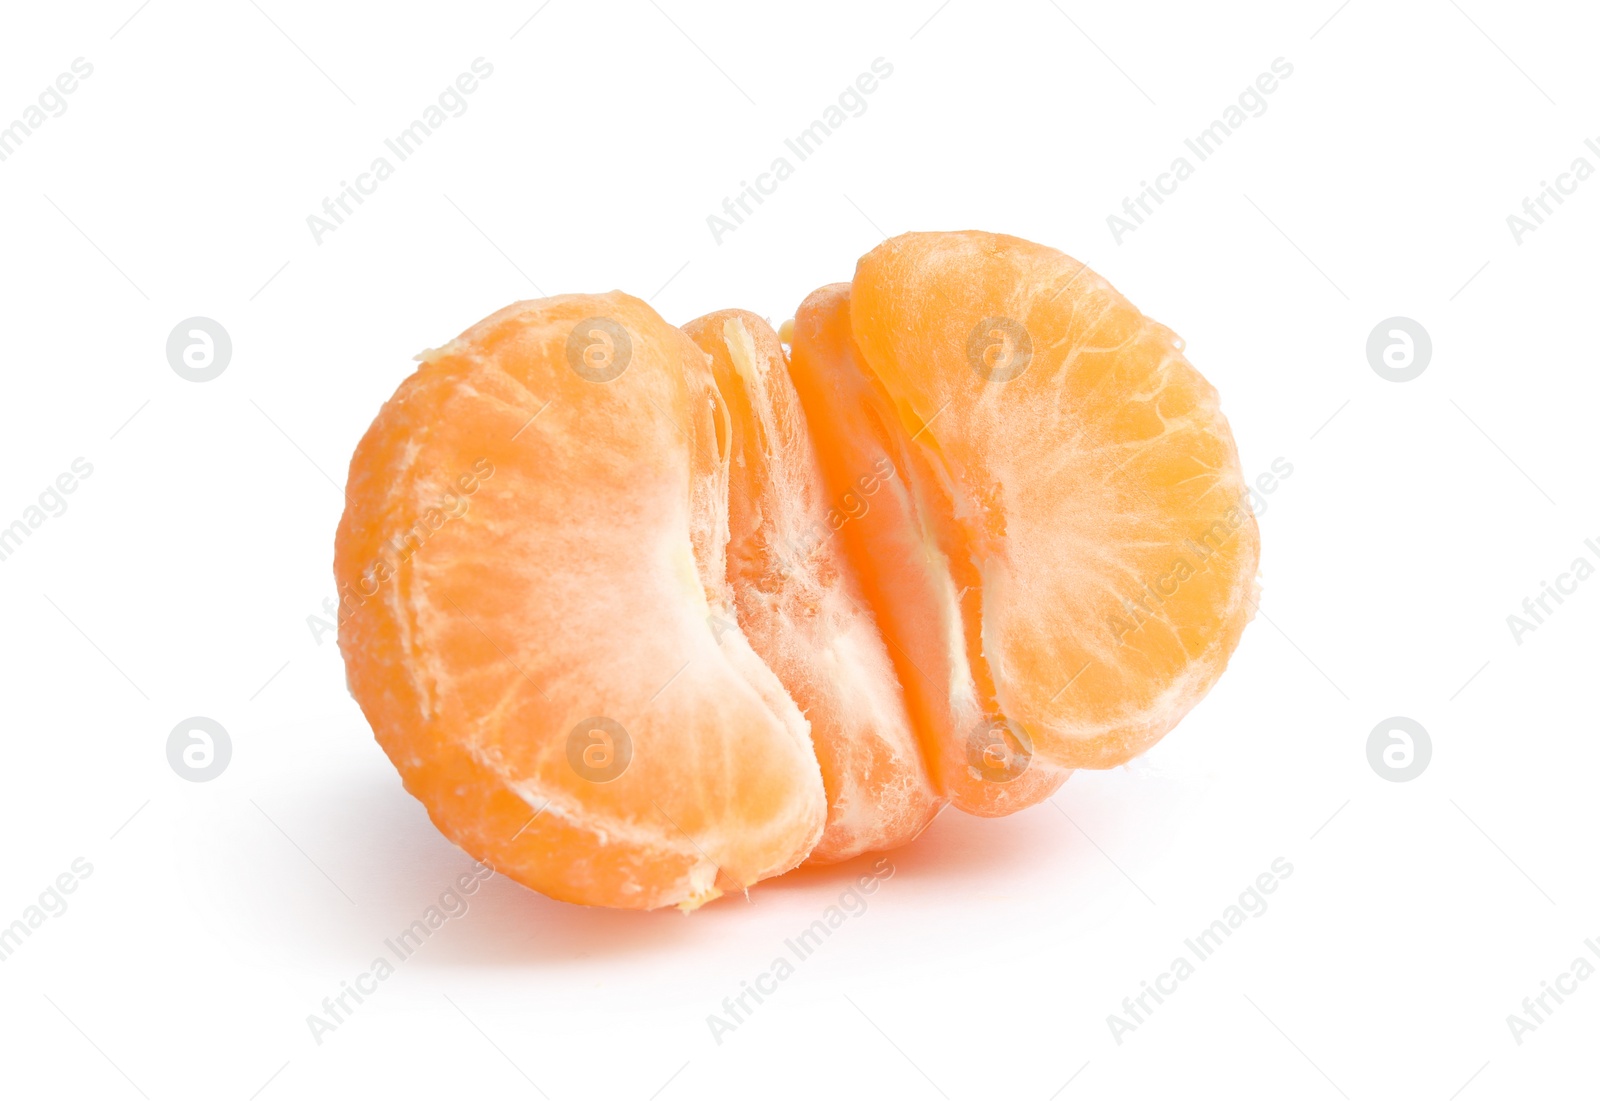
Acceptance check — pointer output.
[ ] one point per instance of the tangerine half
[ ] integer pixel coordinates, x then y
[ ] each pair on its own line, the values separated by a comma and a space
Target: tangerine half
643, 615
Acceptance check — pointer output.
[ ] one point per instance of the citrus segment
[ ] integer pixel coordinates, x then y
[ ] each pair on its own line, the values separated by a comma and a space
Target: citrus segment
899, 532
798, 601
531, 579
1093, 477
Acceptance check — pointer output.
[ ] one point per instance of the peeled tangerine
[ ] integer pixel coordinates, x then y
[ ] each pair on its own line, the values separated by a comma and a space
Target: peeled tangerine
646, 614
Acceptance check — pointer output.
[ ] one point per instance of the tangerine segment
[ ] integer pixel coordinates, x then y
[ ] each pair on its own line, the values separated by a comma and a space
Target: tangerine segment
529, 563
799, 603
899, 532
1093, 477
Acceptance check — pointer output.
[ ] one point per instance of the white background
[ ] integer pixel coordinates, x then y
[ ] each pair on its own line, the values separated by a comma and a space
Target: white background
180, 580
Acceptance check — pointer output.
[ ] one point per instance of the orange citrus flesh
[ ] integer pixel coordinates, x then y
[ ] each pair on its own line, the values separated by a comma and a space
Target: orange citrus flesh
799, 603
899, 533
1093, 478
644, 615
568, 586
